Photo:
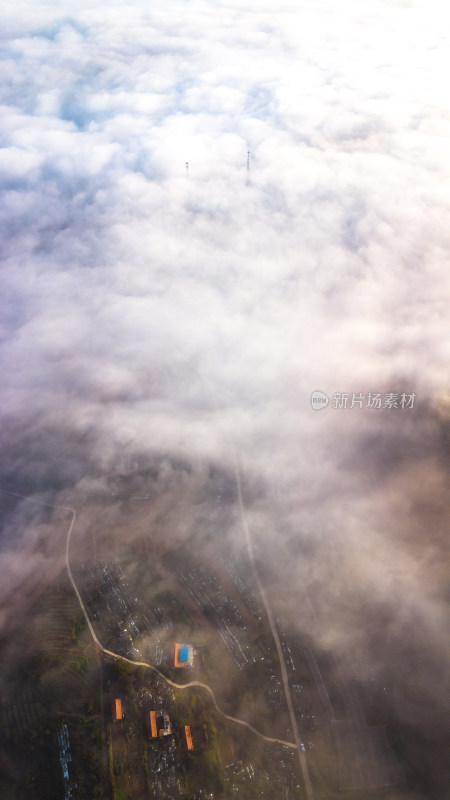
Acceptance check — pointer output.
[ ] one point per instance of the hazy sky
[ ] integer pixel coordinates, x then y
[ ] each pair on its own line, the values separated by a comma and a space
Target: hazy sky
147, 310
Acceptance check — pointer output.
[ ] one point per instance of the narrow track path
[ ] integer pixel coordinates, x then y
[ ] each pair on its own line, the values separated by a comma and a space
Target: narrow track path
298, 742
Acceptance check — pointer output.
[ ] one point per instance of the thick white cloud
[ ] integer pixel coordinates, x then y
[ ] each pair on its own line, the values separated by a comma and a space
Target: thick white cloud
129, 280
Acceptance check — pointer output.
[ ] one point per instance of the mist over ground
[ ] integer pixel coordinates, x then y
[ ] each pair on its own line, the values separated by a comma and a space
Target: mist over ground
153, 312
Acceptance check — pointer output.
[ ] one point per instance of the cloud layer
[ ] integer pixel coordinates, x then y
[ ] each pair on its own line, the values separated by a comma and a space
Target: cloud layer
149, 308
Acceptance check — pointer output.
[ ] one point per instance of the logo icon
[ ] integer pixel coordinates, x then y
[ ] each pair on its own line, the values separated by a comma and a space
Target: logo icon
319, 400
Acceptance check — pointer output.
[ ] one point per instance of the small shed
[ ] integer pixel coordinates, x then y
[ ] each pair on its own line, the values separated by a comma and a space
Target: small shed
188, 738
117, 710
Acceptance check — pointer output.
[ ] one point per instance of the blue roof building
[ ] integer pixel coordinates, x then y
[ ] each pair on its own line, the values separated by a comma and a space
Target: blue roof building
184, 654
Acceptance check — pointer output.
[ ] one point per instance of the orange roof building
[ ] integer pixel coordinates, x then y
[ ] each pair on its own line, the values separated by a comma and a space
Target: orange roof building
117, 710
188, 737
150, 721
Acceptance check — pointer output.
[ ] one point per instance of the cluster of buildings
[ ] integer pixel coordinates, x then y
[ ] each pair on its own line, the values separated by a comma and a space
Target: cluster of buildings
158, 724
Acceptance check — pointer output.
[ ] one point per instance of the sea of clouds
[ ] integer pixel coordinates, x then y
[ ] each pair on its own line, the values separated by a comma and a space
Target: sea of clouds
147, 308
150, 307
